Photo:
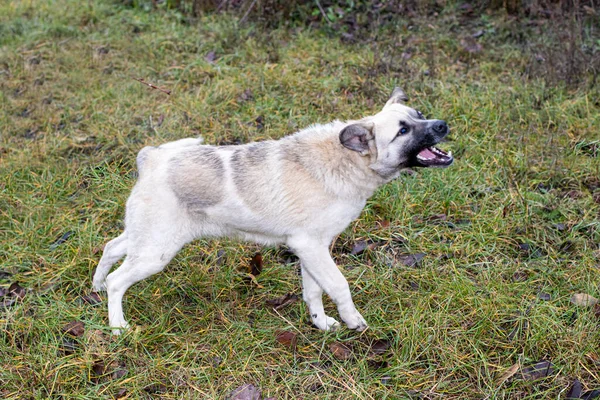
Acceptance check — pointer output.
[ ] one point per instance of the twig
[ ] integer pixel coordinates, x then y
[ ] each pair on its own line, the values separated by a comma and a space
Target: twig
167, 91
323, 11
247, 12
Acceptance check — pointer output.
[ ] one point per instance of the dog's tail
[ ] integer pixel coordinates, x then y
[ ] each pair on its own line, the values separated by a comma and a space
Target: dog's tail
144, 153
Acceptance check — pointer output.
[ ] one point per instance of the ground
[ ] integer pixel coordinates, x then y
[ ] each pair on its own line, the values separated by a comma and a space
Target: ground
504, 238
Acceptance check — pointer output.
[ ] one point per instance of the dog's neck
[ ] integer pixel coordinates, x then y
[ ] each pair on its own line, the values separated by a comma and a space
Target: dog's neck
343, 172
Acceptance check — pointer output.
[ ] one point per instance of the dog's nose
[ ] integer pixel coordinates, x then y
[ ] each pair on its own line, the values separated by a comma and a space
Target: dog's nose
440, 127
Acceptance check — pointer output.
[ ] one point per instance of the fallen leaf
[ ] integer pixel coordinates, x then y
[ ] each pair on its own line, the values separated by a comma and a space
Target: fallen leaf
379, 346
68, 346
260, 122
411, 260
544, 296
287, 338
520, 276
16, 290
256, 264
283, 301
436, 217
247, 95
471, 45
592, 394
97, 371
3, 291
121, 393
378, 364
245, 392
64, 237
340, 351
508, 374
537, 371
583, 300
156, 388
211, 56
573, 194
478, 34
119, 370
567, 247
74, 328
359, 247
575, 391
93, 298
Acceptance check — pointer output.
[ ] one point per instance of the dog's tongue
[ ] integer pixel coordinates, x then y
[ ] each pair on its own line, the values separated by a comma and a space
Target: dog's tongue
426, 153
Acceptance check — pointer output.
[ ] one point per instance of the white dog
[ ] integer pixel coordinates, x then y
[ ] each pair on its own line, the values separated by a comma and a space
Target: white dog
301, 190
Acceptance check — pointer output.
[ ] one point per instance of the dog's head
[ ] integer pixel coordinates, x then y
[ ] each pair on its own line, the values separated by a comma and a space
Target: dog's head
398, 137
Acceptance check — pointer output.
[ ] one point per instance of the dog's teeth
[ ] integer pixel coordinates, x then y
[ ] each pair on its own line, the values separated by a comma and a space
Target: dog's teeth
450, 154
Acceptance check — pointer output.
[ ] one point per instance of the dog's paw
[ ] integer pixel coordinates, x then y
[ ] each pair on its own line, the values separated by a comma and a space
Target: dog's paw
356, 322
99, 286
325, 323
117, 330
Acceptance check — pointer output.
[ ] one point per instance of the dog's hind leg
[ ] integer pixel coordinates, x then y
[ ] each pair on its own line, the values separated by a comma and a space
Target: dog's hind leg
147, 261
313, 296
113, 252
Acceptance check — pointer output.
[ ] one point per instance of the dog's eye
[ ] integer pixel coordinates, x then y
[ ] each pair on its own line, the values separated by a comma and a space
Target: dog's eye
403, 130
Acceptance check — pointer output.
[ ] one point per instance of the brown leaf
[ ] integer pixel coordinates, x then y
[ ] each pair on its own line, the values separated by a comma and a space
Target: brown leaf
93, 298
575, 391
63, 238
537, 371
436, 218
583, 300
256, 264
283, 301
121, 393
470, 45
411, 260
156, 388
68, 346
359, 247
246, 95
287, 338
119, 370
379, 346
245, 392
74, 328
378, 364
508, 374
211, 56
340, 351
16, 290
98, 369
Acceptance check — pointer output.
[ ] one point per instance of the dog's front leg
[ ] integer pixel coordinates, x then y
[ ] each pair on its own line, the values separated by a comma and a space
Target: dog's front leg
313, 296
322, 271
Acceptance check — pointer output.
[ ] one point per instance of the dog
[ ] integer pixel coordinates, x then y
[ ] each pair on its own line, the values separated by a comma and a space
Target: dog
301, 190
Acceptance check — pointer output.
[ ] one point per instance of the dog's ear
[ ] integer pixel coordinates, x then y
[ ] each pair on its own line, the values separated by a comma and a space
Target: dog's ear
356, 137
397, 96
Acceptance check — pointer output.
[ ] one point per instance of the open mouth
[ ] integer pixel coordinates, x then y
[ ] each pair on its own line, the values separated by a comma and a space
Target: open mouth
434, 157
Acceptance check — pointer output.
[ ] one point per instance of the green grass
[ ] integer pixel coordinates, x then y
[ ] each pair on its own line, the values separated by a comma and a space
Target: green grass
72, 119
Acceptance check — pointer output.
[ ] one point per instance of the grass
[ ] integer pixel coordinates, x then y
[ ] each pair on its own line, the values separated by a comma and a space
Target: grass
520, 211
